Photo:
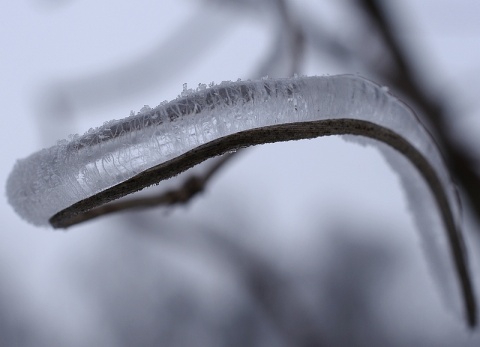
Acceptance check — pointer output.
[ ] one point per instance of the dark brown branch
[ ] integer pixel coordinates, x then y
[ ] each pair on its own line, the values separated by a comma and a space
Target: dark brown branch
285, 132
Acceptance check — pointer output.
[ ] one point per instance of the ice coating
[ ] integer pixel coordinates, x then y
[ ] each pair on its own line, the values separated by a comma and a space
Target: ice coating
55, 178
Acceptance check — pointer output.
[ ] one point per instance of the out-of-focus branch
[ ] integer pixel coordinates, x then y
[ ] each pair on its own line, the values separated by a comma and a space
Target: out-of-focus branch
403, 77
59, 100
285, 56
270, 288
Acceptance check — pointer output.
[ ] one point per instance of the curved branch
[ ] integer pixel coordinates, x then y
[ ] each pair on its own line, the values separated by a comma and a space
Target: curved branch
62, 183
286, 132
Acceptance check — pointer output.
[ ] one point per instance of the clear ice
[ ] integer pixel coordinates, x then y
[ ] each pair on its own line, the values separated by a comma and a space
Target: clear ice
57, 177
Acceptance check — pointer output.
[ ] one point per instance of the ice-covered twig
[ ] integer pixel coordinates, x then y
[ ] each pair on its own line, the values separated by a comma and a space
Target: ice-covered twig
59, 184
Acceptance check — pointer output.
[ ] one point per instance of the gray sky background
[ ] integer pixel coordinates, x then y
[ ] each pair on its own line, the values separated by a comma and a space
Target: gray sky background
274, 189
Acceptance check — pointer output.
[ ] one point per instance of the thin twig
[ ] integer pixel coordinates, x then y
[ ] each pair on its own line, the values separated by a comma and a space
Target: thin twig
285, 132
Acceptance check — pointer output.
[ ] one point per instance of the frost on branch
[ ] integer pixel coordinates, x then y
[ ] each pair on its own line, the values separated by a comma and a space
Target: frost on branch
122, 156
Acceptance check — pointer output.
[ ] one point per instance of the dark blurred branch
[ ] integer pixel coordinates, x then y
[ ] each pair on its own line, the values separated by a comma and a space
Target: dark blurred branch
287, 132
285, 56
295, 36
271, 291
461, 164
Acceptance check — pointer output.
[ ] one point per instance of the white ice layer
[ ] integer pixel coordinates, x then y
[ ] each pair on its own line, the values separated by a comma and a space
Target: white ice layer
55, 178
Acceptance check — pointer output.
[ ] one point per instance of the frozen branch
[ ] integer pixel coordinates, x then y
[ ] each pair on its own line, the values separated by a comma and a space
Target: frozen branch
60, 184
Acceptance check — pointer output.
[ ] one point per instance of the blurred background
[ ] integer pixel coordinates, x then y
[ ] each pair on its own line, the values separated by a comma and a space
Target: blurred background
307, 243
